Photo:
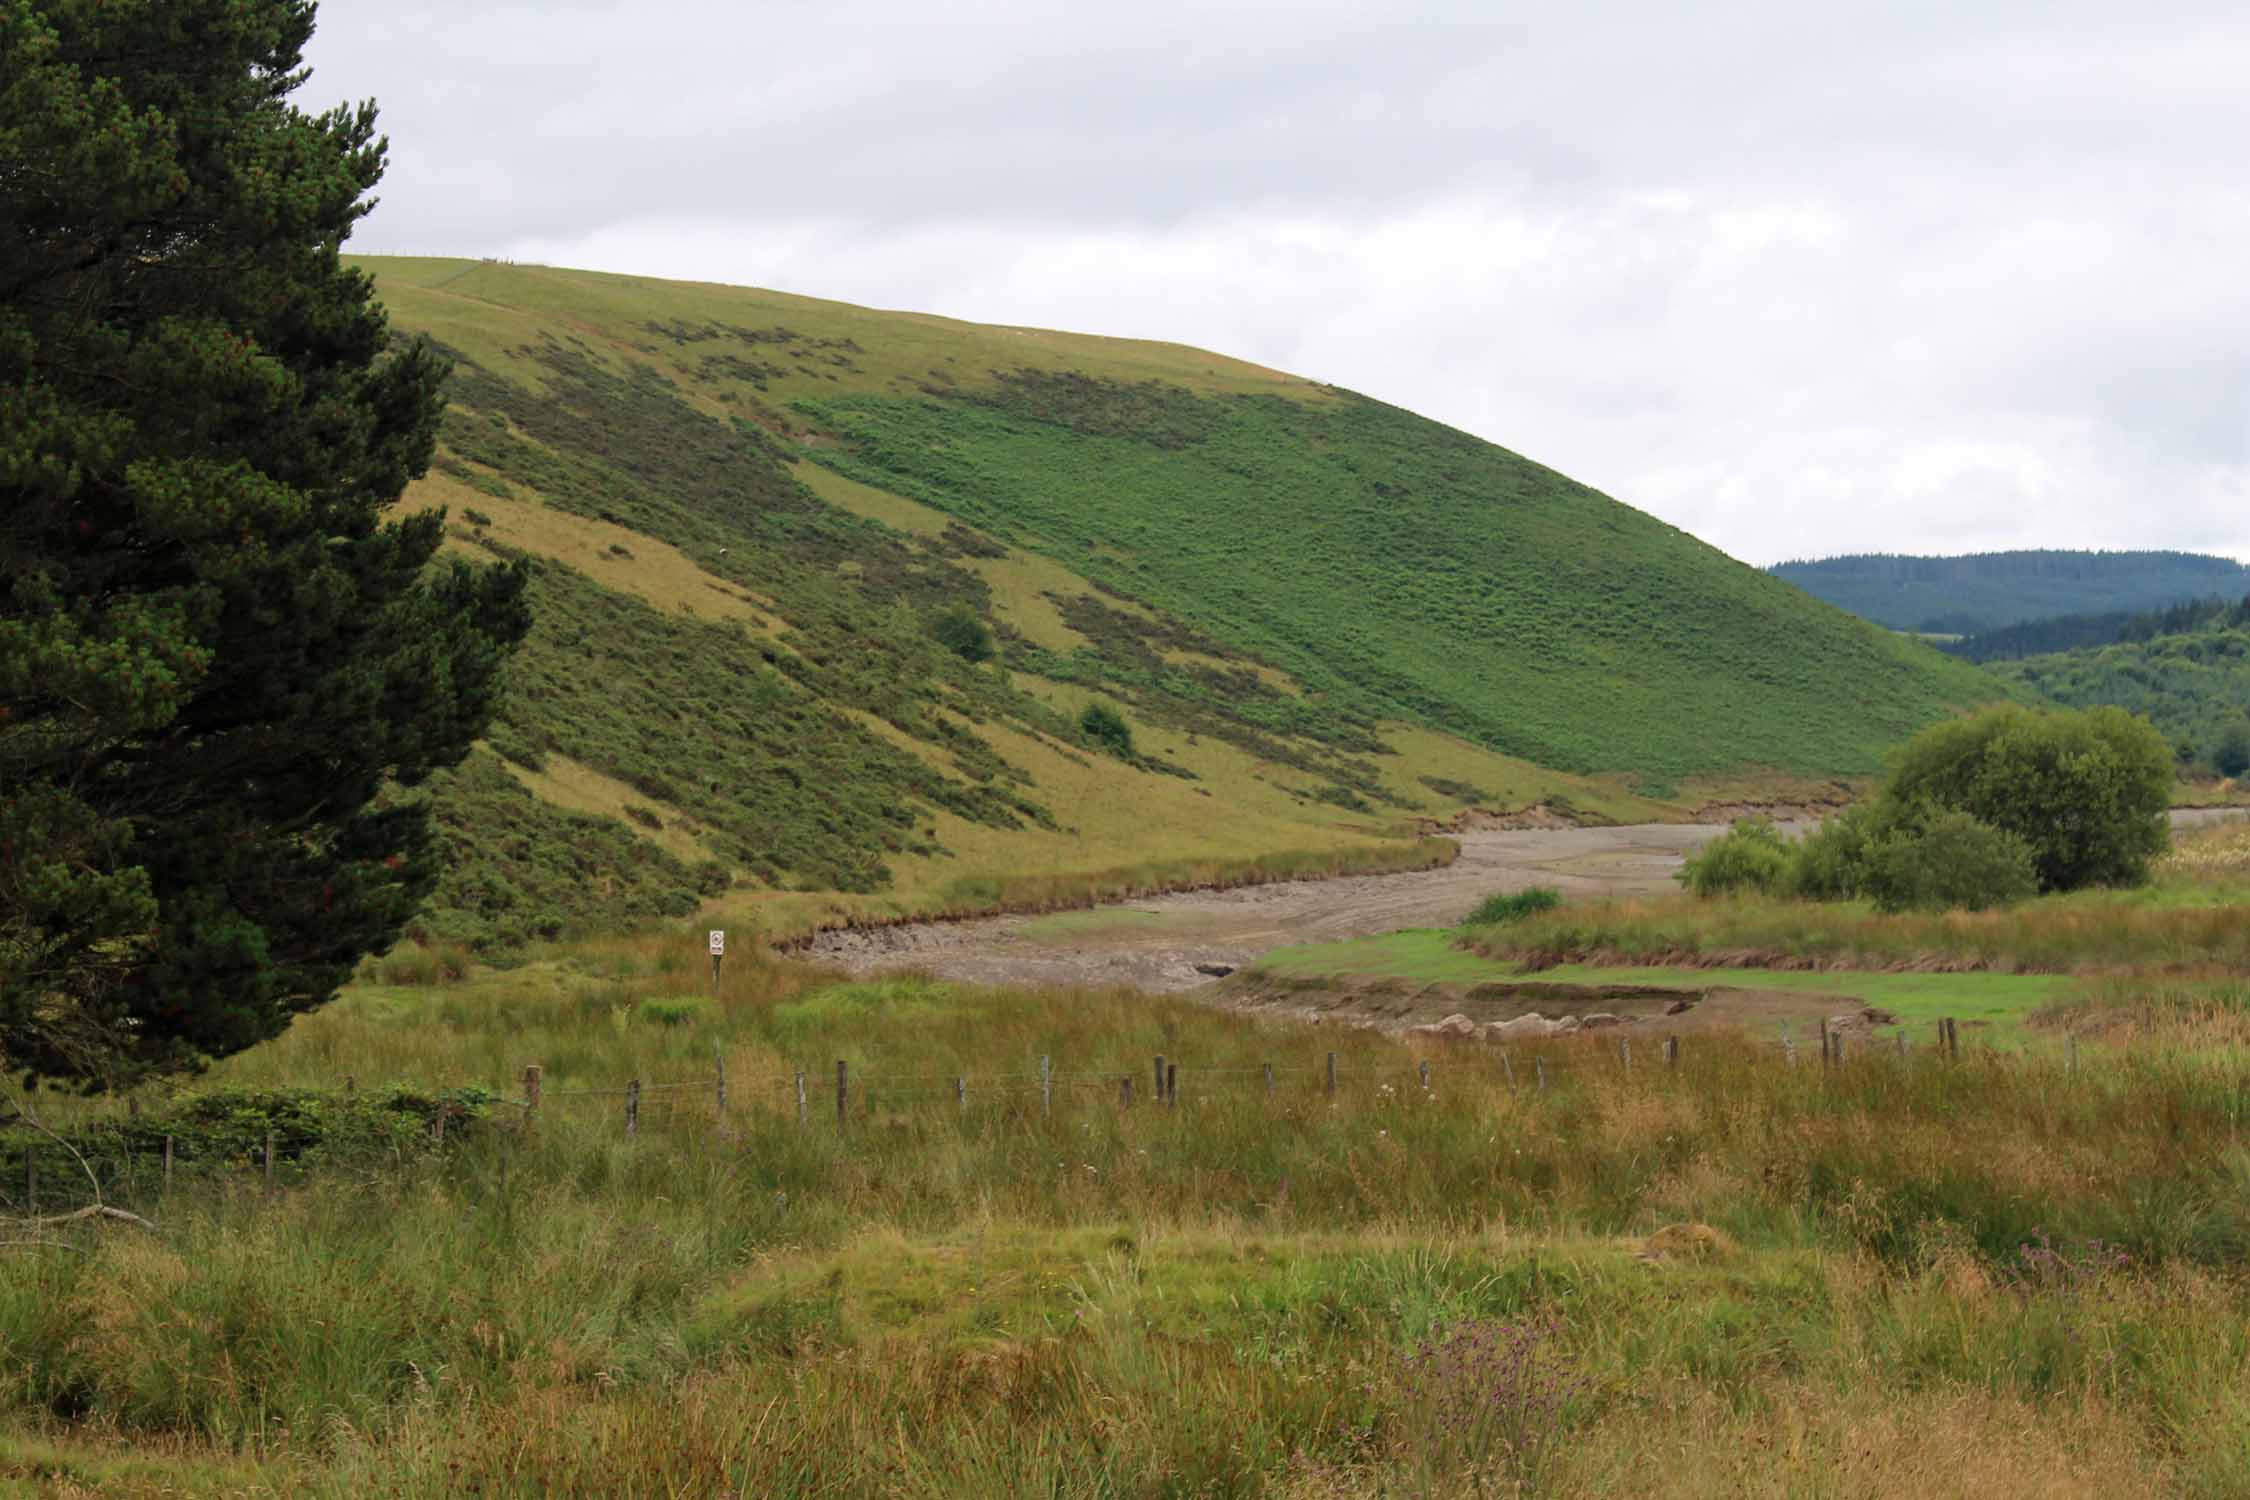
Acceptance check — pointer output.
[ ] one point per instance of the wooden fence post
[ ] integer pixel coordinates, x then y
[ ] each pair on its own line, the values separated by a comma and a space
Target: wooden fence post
1171, 1085
167, 1164
1827, 1045
1424, 1072
961, 1094
1625, 1052
633, 1107
1046, 1085
1125, 1091
1269, 1080
1539, 1064
1331, 1075
1836, 1049
1789, 1050
534, 1078
269, 1161
843, 1089
800, 1096
1160, 1078
1671, 1052
719, 1056
1508, 1066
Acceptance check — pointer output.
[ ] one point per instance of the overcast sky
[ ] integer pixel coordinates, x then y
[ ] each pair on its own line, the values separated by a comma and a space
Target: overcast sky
1798, 277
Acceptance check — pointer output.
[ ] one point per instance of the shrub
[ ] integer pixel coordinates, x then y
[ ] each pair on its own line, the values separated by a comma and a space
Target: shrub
1750, 856
476, 517
2087, 791
1830, 863
1106, 727
1947, 860
1514, 906
963, 632
669, 1012
2230, 752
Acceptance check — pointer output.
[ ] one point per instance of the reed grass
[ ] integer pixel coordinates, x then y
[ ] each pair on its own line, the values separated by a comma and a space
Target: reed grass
1996, 1276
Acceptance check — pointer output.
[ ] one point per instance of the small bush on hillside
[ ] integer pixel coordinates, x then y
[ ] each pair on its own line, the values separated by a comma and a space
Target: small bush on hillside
1751, 856
1947, 861
670, 1012
1106, 727
1514, 906
963, 632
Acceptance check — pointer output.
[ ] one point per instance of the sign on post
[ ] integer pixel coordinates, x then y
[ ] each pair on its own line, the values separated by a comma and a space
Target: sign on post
718, 951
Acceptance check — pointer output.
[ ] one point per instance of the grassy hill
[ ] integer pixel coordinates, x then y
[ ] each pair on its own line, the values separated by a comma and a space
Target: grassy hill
1987, 591
1323, 617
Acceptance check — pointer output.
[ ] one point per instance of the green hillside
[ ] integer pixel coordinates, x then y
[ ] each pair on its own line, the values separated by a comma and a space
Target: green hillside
1988, 591
2194, 684
1324, 618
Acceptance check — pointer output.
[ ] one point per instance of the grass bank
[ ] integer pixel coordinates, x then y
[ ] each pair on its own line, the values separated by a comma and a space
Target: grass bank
1694, 1281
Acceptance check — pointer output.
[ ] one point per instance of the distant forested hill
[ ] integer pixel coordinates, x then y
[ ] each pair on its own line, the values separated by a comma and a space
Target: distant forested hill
2187, 669
1986, 591
2081, 632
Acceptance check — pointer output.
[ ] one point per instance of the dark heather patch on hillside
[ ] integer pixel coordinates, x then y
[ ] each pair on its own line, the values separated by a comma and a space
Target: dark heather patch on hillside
1150, 412
629, 449
1397, 568
743, 739
791, 344
1232, 704
959, 541
517, 869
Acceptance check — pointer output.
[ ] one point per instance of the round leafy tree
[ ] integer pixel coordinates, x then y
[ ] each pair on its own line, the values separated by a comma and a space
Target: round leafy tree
2086, 791
217, 657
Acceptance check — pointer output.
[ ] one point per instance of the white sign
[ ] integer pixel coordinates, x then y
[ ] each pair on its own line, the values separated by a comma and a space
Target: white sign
718, 942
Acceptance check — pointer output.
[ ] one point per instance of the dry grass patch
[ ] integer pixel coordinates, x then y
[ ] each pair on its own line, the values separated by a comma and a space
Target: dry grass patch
623, 561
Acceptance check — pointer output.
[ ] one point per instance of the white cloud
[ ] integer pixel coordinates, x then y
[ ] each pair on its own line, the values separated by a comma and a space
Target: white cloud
1799, 280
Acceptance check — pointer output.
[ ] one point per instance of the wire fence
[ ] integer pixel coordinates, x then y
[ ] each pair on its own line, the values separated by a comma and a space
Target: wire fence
844, 1095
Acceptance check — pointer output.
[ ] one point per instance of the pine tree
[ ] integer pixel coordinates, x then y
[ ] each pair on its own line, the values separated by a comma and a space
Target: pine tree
219, 662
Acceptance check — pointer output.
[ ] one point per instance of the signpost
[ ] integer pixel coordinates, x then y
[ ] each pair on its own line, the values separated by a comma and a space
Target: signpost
718, 952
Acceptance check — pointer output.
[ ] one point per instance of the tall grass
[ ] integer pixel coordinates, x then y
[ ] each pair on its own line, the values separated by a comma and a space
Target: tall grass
2089, 932
1211, 1298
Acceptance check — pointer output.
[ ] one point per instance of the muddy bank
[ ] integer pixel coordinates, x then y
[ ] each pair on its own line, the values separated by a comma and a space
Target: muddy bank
1176, 942
1188, 939
1632, 1009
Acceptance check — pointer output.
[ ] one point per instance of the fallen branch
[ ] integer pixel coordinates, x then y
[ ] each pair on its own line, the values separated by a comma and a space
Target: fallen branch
75, 1216
92, 1212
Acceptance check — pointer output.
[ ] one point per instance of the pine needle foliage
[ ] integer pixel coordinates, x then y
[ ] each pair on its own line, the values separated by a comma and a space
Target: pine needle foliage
215, 655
